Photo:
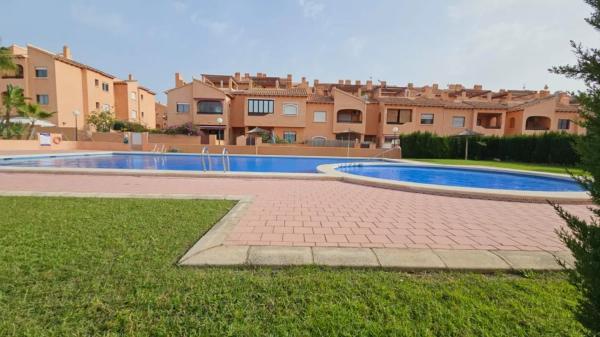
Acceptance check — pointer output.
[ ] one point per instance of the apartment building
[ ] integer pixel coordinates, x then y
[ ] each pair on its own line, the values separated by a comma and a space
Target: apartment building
230, 106
59, 83
161, 115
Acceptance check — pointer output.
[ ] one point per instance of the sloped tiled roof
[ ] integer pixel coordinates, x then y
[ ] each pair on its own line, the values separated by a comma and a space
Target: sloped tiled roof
487, 105
421, 101
298, 92
314, 98
531, 103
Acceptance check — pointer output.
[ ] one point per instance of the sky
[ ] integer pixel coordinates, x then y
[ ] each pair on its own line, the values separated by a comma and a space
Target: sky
500, 44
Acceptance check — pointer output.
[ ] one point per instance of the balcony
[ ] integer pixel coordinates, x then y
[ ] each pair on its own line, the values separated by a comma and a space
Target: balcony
349, 116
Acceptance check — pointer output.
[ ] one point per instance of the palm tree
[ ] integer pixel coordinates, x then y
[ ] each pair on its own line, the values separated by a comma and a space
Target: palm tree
35, 113
6, 61
12, 98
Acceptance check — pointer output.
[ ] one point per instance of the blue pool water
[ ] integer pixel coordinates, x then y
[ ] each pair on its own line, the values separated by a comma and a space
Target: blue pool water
181, 162
464, 177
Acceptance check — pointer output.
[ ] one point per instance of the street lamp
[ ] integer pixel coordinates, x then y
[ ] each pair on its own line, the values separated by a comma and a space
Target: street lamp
396, 138
76, 114
220, 121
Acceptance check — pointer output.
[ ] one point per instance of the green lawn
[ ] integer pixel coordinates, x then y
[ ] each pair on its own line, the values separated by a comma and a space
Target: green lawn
81, 267
509, 165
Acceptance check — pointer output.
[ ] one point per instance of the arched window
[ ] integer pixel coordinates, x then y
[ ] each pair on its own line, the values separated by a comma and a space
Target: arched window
537, 123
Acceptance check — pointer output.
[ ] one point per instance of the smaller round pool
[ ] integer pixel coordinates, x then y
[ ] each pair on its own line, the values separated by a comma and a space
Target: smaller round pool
464, 177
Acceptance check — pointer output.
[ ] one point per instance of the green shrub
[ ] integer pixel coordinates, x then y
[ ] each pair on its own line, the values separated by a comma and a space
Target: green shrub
548, 148
128, 126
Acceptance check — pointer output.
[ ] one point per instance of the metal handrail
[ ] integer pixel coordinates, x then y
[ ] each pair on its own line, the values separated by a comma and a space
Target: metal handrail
226, 161
206, 154
386, 151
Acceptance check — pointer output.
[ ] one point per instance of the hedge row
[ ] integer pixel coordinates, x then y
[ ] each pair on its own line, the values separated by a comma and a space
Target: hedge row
547, 148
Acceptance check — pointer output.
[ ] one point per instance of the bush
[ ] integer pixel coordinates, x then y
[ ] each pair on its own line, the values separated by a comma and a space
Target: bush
128, 126
103, 121
188, 129
549, 148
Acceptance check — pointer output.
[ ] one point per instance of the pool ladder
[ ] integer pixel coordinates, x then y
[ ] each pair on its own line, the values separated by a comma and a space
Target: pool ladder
226, 162
203, 156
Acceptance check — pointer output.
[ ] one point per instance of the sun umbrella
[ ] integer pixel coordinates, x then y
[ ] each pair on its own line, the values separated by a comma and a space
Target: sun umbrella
467, 133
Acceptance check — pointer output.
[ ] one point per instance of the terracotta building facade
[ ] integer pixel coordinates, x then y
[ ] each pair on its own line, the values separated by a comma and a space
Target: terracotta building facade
300, 112
58, 83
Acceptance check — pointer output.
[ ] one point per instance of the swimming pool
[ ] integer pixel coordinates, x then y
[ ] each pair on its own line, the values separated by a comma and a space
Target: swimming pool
179, 162
464, 177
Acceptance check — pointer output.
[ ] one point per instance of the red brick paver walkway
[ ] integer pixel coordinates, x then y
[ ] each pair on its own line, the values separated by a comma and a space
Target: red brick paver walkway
331, 213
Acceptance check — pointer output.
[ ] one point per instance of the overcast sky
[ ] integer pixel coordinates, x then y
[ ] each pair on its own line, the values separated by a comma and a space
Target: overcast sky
497, 43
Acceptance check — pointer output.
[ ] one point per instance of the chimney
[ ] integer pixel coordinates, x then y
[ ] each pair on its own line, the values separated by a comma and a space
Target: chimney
259, 75
347, 82
359, 92
130, 77
66, 52
179, 80
509, 96
221, 83
564, 98
435, 86
276, 84
250, 83
303, 80
289, 80
410, 85
340, 81
369, 85
478, 87
428, 91
247, 75
463, 94
237, 77
383, 84
315, 83
230, 83
357, 82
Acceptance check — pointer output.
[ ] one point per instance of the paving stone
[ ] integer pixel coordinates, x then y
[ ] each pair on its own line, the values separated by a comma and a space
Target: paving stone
529, 260
356, 257
218, 256
408, 258
480, 260
279, 256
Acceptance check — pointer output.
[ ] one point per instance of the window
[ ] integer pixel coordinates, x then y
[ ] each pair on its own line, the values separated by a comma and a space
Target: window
320, 117
133, 114
96, 82
106, 107
41, 72
289, 136
97, 105
42, 99
564, 124
104, 86
260, 106
349, 116
399, 116
210, 107
133, 96
290, 109
142, 114
183, 107
427, 119
458, 122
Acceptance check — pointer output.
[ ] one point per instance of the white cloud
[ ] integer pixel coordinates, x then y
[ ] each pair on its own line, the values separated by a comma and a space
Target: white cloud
179, 6
310, 8
355, 45
91, 16
213, 26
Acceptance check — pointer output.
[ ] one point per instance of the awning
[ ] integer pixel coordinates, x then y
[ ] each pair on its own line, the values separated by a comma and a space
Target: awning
258, 130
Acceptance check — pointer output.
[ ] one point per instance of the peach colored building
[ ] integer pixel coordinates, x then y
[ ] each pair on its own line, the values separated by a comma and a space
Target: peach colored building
58, 83
161, 115
231, 106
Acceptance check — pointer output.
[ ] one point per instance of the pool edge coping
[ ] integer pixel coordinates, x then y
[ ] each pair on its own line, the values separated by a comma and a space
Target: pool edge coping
461, 192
